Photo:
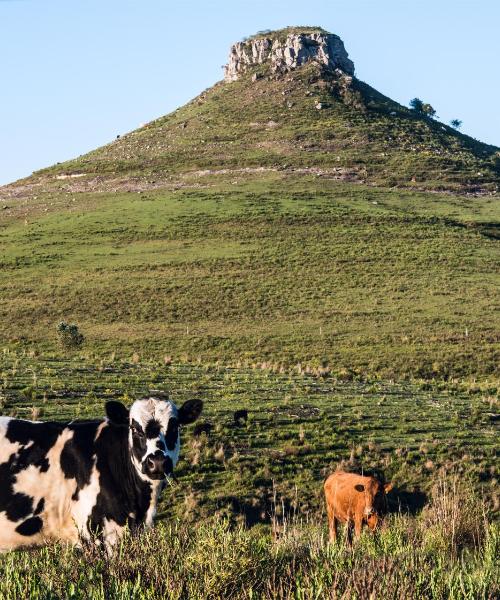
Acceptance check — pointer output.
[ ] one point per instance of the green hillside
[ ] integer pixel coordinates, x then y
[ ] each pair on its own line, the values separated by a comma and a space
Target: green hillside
282, 219
260, 268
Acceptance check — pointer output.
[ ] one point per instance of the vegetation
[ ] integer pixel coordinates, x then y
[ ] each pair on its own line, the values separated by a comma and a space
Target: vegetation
429, 110
281, 34
422, 108
213, 560
257, 267
417, 105
332, 270
301, 426
456, 123
69, 335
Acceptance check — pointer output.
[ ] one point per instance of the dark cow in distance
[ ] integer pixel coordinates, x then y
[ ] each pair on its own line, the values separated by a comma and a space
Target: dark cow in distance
90, 479
354, 499
240, 416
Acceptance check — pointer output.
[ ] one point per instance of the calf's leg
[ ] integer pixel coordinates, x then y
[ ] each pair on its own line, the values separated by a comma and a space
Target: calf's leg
333, 528
358, 524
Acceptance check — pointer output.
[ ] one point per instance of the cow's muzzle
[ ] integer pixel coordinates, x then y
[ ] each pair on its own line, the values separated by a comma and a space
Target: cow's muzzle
157, 466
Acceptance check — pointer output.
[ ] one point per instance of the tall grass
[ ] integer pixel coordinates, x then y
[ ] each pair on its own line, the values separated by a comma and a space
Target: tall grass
424, 557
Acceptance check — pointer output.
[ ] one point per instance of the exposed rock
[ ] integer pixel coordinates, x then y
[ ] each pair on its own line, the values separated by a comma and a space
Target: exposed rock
285, 54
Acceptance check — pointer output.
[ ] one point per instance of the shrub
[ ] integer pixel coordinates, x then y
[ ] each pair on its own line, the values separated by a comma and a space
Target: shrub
417, 105
422, 108
456, 123
69, 335
428, 110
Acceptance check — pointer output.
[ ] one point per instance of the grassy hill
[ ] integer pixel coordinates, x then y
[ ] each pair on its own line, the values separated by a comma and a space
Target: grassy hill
303, 247
260, 267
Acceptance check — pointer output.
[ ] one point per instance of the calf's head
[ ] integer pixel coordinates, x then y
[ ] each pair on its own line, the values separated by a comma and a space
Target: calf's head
153, 432
375, 501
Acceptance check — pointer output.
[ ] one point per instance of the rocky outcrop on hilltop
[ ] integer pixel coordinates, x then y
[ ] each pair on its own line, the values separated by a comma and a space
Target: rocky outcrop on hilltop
287, 52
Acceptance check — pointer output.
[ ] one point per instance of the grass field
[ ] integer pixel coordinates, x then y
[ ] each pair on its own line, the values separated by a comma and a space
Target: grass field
410, 559
300, 428
261, 268
436, 442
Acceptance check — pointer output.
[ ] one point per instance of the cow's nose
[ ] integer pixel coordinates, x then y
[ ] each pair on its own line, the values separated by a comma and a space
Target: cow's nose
156, 465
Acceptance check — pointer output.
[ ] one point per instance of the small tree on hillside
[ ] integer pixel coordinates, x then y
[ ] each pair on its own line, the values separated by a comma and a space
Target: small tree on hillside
456, 123
417, 105
69, 336
428, 110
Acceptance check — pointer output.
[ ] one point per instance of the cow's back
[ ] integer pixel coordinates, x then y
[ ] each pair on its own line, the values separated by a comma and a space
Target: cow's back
36, 494
341, 495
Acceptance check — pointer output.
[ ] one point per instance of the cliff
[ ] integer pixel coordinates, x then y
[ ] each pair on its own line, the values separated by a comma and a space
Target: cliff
286, 50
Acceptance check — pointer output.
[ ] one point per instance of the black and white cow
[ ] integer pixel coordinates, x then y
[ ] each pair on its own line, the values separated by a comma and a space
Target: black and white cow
88, 479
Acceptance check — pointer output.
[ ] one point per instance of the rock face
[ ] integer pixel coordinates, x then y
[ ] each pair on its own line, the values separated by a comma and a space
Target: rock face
285, 54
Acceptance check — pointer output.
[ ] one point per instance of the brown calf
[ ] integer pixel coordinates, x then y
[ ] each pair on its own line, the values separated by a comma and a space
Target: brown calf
352, 498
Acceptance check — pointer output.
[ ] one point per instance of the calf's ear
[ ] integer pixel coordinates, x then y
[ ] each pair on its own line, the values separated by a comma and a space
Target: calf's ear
117, 413
388, 487
190, 411
359, 487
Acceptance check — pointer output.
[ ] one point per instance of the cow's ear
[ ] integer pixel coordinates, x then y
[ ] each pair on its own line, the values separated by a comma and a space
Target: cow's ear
359, 487
117, 413
190, 411
388, 487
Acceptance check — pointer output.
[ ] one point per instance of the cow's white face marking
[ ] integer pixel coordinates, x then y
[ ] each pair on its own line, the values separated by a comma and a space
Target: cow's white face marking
154, 437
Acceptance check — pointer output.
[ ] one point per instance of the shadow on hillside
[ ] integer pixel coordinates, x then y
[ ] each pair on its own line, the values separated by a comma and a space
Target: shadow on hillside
256, 511
403, 501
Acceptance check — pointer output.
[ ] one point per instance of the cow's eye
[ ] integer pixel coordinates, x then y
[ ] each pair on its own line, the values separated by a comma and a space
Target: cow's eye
138, 432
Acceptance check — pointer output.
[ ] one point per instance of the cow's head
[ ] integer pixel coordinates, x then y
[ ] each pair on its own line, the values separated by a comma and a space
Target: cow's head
153, 435
375, 500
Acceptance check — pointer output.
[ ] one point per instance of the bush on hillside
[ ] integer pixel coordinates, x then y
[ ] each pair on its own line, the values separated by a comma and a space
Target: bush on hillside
69, 335
417, 105
428, 110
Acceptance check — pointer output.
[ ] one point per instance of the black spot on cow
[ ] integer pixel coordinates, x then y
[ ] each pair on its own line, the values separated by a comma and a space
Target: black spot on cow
40, 506
119, 480
77, 456
161, 445
30, 526
139, 440
15, 504
42, 435
172, 434
202, 428
240, 416
153, 429
169, 465
43, 464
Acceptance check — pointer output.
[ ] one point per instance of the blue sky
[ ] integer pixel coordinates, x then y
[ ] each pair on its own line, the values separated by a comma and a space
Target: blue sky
75, 73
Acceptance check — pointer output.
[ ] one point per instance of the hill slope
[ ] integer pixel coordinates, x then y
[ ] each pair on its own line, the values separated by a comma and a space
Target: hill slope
311, 117
264, 230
